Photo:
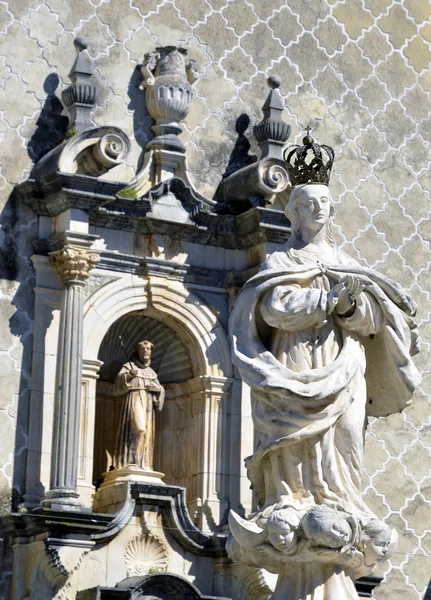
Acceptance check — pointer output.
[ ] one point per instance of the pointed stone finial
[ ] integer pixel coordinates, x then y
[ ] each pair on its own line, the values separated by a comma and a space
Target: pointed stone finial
272, 132
80, 97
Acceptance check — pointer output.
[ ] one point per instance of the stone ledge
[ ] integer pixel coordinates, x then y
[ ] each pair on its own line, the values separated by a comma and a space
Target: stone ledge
102, 527
189, 216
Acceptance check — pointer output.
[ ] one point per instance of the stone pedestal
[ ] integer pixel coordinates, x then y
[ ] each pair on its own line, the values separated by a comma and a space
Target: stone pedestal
113, 492
131, 473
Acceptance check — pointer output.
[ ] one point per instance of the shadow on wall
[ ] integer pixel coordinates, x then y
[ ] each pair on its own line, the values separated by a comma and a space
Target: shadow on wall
428, 592
51, 126
239, 157
17, 230
142, 121
18, 226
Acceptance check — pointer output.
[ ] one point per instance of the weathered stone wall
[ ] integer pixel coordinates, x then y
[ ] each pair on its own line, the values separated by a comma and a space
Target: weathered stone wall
356, 71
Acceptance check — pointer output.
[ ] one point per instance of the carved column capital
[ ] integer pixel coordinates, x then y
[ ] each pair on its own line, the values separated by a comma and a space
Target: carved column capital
73, 264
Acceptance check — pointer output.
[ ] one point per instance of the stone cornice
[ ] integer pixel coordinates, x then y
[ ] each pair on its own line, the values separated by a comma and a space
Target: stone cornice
113, 261
101, 528
200, 222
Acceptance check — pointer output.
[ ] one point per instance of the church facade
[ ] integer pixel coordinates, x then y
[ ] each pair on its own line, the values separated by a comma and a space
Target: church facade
144, 182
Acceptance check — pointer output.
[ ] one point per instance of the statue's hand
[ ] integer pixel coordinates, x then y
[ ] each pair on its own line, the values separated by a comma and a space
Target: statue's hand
154, 388
333, 297
352, 288
132, 374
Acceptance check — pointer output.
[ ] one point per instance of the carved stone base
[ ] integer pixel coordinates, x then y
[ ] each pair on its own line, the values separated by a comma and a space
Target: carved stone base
314, 581
131, 473
63, 499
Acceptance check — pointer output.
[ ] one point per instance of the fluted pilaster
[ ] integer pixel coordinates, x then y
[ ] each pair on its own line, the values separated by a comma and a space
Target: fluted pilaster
72, 266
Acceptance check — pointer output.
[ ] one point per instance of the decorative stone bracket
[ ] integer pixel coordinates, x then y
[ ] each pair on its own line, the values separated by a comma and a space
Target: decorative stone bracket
92, 152
95, 151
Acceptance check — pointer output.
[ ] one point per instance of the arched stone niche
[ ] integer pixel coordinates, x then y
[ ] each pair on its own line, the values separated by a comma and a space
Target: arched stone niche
171, 361
195, 369
163, 586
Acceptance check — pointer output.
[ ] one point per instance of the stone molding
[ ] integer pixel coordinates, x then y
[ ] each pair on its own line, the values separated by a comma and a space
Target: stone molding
182, 310
107, 208
164, 585
73, 264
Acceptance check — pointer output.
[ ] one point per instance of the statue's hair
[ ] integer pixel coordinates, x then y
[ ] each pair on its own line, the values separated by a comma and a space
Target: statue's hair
143, 342
373, 528
290, 211
282, 516
318, 517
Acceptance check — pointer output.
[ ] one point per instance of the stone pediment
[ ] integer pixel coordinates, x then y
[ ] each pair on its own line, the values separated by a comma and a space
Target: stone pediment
160, 198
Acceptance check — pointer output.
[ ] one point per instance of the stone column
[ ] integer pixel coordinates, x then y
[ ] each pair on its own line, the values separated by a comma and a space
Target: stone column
72, 265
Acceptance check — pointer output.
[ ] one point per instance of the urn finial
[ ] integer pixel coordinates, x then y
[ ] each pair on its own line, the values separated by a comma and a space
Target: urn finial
168, 78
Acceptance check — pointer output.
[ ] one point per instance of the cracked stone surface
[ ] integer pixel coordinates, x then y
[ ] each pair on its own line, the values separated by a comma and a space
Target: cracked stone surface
356, 72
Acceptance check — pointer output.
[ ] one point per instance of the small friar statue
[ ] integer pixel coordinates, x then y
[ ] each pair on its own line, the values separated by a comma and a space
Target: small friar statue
145, 395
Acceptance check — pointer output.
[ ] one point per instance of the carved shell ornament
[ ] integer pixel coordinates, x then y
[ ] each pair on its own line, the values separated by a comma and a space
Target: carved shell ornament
143, 553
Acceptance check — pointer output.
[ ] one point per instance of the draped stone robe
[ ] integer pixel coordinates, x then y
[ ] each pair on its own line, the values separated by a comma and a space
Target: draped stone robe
135, 437
308, 372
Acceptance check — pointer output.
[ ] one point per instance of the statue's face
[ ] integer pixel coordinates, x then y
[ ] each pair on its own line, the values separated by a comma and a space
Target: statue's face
144, 351
380, 544
341, 530
313, 208
281, 536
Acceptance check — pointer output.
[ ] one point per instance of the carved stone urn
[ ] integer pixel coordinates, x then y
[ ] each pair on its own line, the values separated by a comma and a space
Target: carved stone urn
168, 77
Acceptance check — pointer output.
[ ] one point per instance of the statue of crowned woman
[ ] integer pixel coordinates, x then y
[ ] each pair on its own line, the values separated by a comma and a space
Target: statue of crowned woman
323, 342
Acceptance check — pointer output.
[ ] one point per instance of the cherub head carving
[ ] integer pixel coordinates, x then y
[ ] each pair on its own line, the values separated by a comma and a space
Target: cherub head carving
378, 541
327, 527
282, 528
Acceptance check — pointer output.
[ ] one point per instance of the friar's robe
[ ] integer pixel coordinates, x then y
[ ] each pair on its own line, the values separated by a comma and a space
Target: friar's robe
135, 437
314, 376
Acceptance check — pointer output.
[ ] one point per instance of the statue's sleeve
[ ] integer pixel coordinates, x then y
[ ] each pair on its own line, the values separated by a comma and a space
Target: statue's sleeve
161, 397
368, 316
122, 384
292, 308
